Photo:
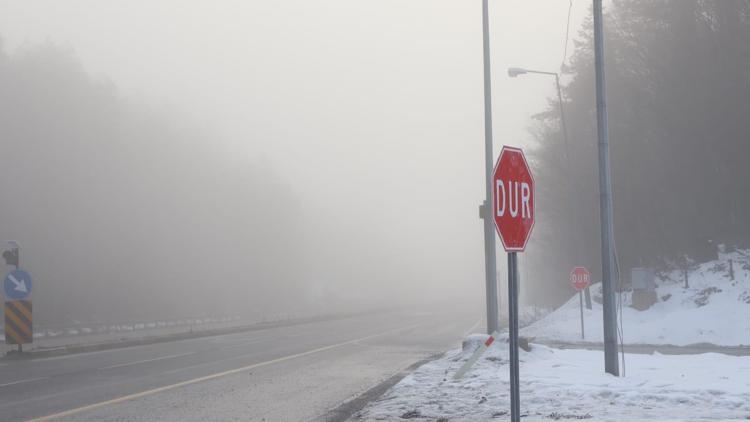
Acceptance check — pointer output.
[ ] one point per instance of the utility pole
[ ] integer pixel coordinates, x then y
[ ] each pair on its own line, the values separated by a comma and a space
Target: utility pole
489, 229
611, 365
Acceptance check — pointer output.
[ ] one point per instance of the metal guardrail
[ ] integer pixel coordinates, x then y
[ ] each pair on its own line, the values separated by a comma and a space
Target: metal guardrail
55, 331
78, 330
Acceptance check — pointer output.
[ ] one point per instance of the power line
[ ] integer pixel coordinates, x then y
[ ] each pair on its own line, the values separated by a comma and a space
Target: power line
567, 35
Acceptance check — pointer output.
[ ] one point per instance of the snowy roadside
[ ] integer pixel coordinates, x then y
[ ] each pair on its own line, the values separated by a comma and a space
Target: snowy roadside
713, 309
569, 385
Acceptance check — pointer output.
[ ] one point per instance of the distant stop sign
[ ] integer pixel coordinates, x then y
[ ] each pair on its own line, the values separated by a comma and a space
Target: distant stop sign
513, 199
580, 278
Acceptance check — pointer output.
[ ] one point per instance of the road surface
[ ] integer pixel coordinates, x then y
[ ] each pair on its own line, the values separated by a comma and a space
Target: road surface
292, 373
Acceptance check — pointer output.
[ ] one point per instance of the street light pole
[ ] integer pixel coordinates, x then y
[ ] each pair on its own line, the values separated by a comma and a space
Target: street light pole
605, 200
515, 71
489, 229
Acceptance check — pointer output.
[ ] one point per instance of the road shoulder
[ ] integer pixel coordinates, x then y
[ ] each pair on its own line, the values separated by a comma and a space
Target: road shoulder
347, 409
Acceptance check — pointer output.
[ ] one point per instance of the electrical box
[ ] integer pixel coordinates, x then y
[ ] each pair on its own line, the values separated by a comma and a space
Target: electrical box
642, 279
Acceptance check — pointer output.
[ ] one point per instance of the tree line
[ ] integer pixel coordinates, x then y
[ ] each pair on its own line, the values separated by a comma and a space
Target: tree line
678, 84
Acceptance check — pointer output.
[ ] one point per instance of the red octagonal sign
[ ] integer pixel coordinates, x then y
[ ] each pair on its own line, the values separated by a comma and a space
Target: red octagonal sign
513, 199
580, 278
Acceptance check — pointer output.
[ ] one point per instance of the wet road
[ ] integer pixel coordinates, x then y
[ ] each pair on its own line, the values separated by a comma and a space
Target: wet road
289, 373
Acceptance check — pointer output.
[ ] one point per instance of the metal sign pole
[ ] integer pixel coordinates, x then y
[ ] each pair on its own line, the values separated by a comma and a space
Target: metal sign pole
515, 401
580, 300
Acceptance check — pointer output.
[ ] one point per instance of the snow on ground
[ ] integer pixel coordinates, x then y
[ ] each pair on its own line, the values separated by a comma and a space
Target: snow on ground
570, 385
714, 309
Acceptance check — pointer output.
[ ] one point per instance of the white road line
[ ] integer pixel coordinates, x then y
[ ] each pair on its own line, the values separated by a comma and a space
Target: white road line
78, 355
23, 381
213, 376
244, 343
473, 327
147, 360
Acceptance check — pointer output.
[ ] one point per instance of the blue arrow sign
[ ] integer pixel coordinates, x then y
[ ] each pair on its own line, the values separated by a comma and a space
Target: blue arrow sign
17, 285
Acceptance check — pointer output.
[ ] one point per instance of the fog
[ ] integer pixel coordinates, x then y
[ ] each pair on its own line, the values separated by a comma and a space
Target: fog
678, 87
171, 158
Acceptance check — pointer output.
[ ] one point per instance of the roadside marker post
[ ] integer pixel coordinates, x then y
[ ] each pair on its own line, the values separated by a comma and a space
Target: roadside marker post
513, 211
475, 356
18, 310
18, 322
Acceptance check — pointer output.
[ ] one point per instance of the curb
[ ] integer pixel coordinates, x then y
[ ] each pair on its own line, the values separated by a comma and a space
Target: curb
346, 410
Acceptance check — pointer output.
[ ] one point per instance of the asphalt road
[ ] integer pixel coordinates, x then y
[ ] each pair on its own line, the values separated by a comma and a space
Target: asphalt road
292, 373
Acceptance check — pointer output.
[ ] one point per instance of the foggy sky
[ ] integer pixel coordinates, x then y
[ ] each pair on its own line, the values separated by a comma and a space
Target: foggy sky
370, 111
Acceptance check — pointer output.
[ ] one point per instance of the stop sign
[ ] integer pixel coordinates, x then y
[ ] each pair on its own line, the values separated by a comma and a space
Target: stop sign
513, 199
580, 278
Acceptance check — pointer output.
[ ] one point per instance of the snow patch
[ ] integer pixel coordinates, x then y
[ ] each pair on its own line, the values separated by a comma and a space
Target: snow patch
571, 385
714, 309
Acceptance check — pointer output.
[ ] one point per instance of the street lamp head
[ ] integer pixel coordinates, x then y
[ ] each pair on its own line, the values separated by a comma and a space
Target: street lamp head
515, 71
